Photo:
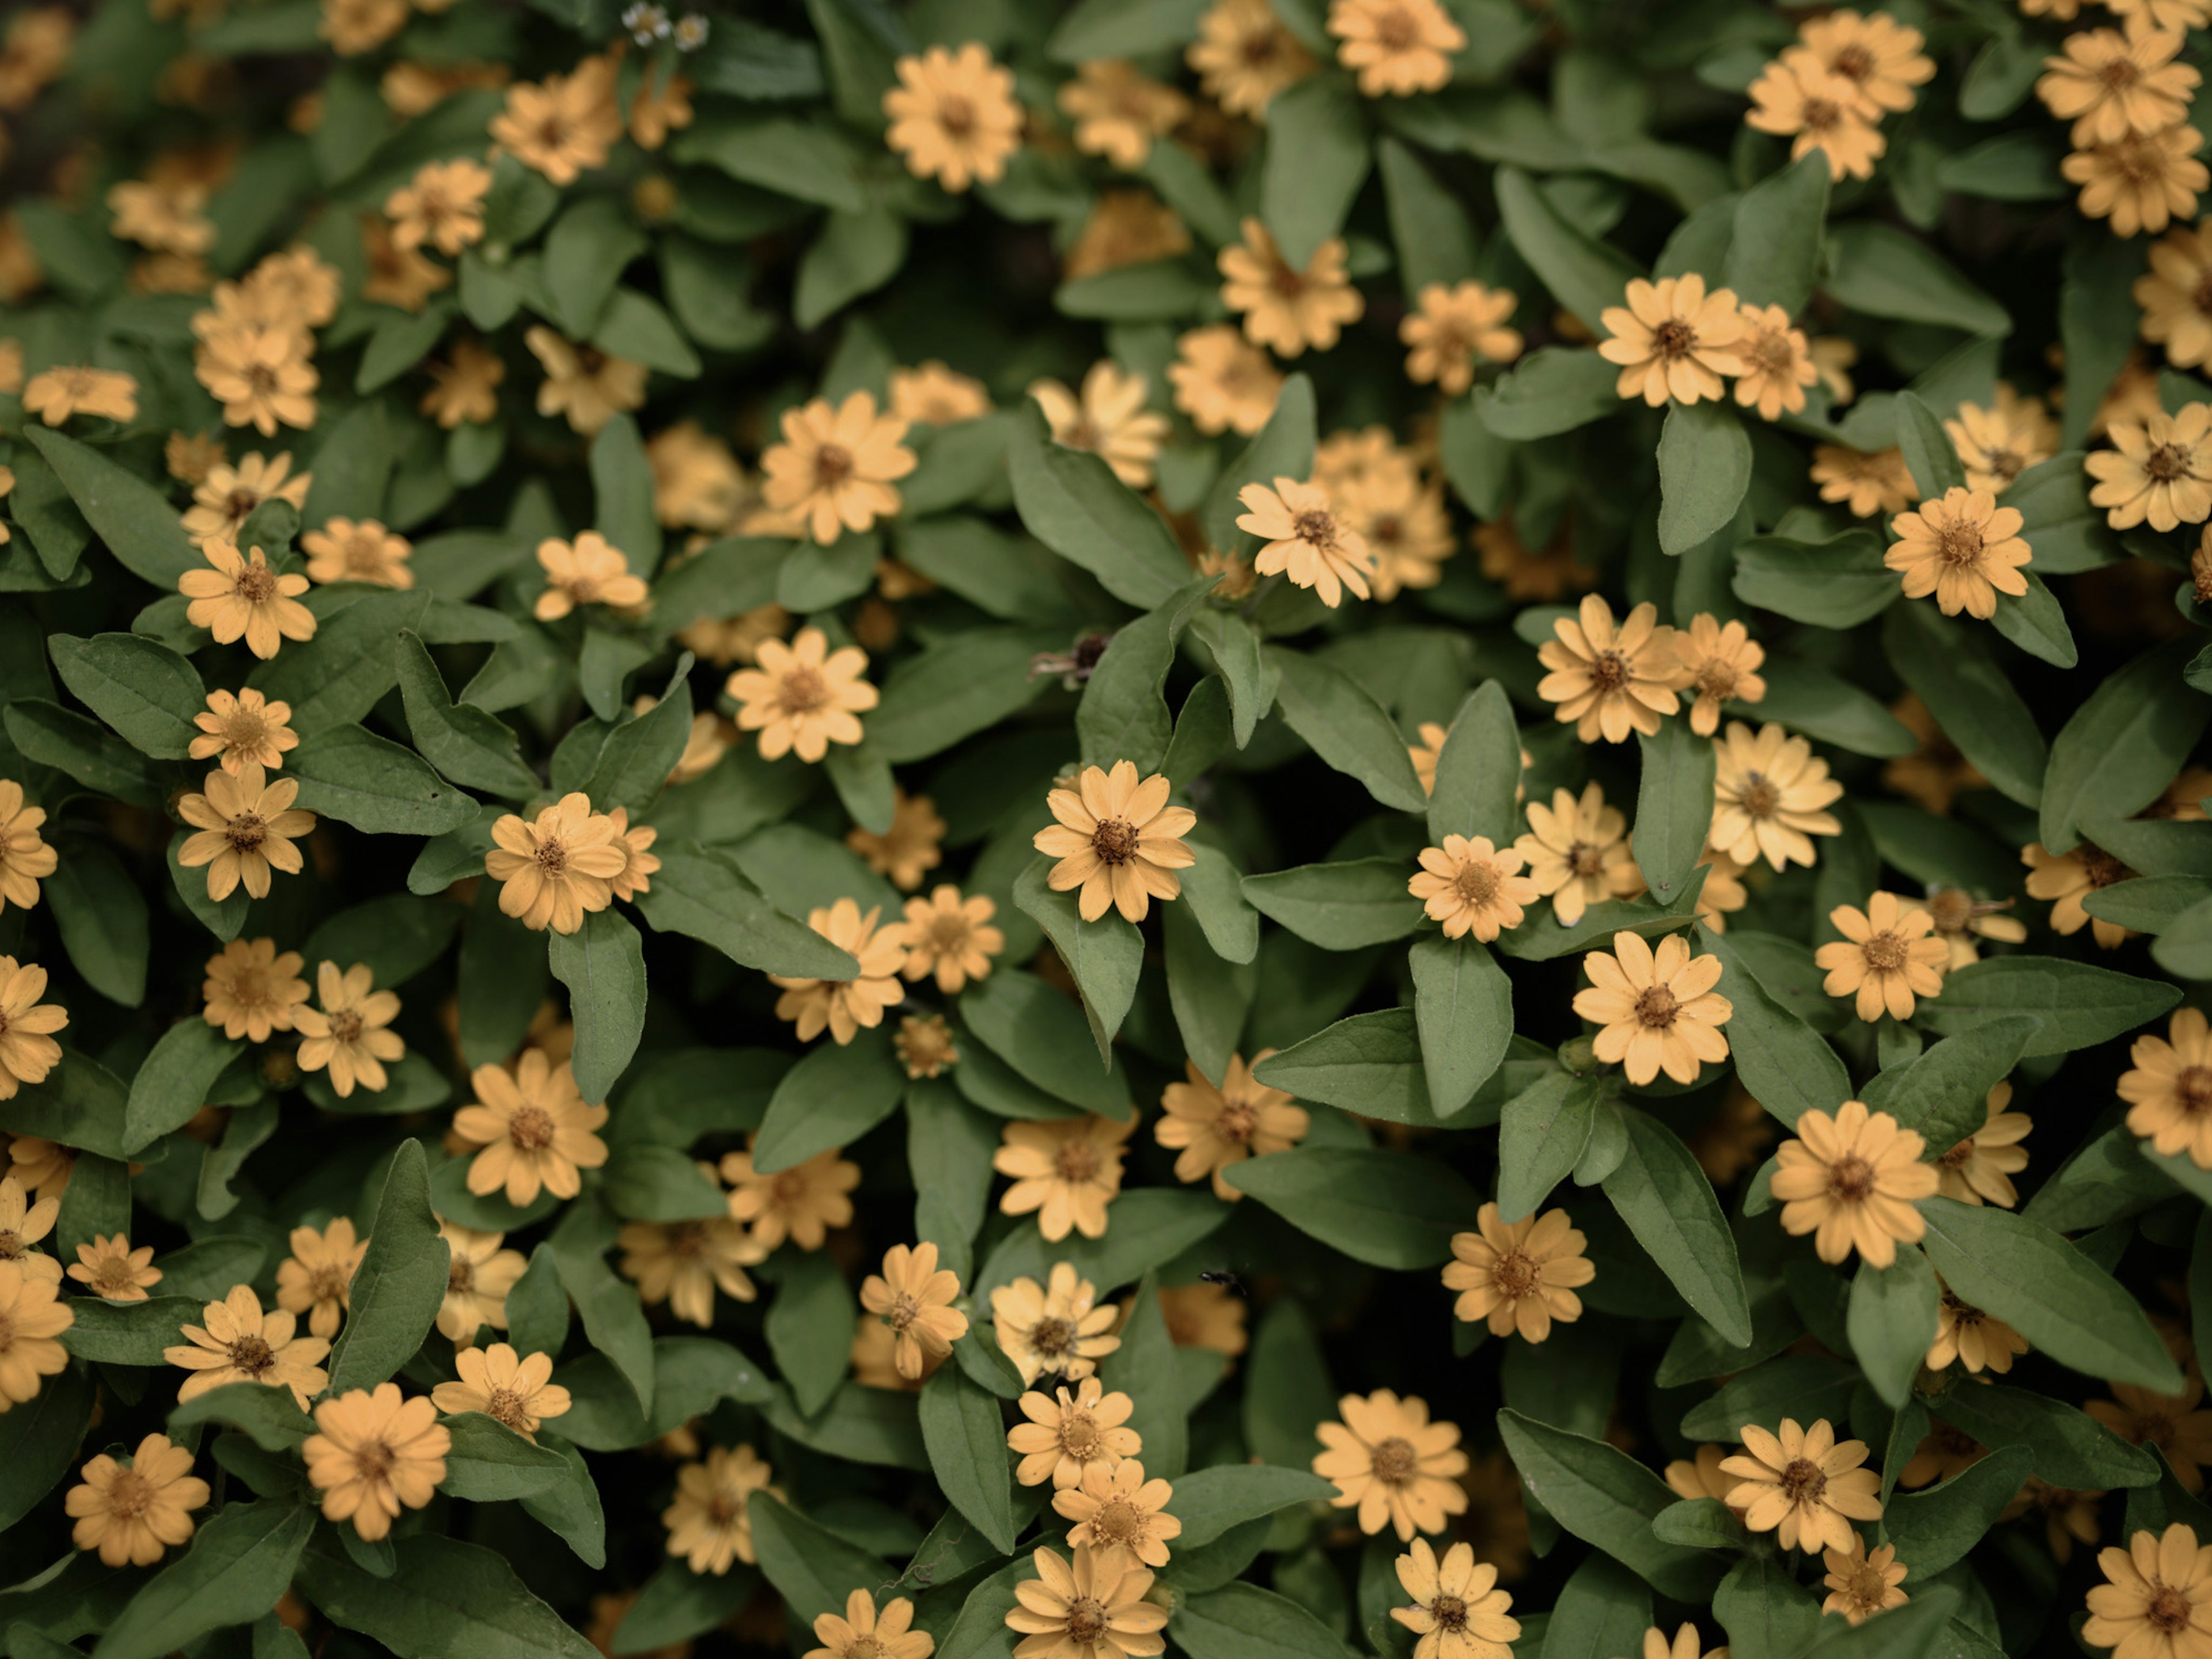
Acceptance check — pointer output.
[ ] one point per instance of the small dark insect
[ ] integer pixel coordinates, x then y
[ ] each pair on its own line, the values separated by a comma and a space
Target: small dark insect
1227, 1280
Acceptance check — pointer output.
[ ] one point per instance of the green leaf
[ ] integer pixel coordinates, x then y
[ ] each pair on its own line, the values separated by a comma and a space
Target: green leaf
1385, 1209
2068, 1309
1210, 998
812, 1568
1541, 1133
2036, 624
1345, 728
1954, 674
353, 467
1929, 453
700, 892
337, 677
1836, 583
2067, 533
490, 1463
1554, 389
1892, 1322
1585, 275
1338, 907
2069, 1447
1103, 957
207, 1267
85, 750
1922, 1628
1781, 1060
1606, 1499
1674, 808
1435, 242
139, 526
448, 1600
1210, 1502
1479, 770
810, 1329
1317, 158
658, 1183
1879, 270
1370, 1064
959, 686
613, 1320
832, 1098
1767, 1613
570, 1506
856, 254
1603, 1608
1936, 1527
141, 688
1942, 1094
101, 916
474, 750
1705, 468
397, 936
2075, 1005
677, 1604
400, 1283
1071, 500
1043, 1036
350, 774
603, 965
40, 1442
1659, 1190
1463, 1010
1774, 255
172, 1082
1243, 1621
966, 1434
1144, 1367
2122, 746
241, 1559
1122, 715
1802, 1386
131, 1333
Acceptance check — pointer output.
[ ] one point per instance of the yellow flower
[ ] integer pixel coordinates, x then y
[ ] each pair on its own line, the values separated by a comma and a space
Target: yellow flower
1119, 1515
1117, 841
1406, 529
344, 550
317, 1279
22, 1224
661, 106
863, 1633
1980, 1169
953, 116
1210, 1128
347, 1035
2144, 182
1109, 420
1575, 850
478, 1276
1673, 340
842, 1006
1095, 1609
1392, 1465
243, 598
25, 857
1126, 228
1397, 47
1777, 363
1887, 956
2112, 85
1861, 1584
1204, 1316
2170, 1422
1458, 1611
374, 1454
2156, 1601
1118, 110
463, 386
56, 394
40, 1166
1768, 795
1997, 444
1062, 1442
1609, 681
1243, 56
225, 496
683, 1263
931, 394
1518, 1276
2069, 1518
1317, 547
1473, 886
1452, 328
27, 1050
1833, 356
583, 384
443, 206
1284, 310
635, 877
1794, 97
1424, 754
169, 217
1871, 485
558, 869
1851, 1181
189, 459
925, 1047
238, 728
709, 1525
30, 1324
353, 26
261, 374
110, 1269
1223, 383
1977, 1341
1881, 57
2067, 878
1656, 1011
1720, 663
914, 1297
239, 1343
908, 849
834, 469
132, 1513
1057, 1329
1700, 1476
2168, 1087
535, 1128
396, 276
1935, 775
2176, 296
1525, 574
697, 482
952, 938
1069, 1169
589, 570
2159, 470
252, 990
801, 1203
246, 826
560, 127
1803, 1485
505, 1386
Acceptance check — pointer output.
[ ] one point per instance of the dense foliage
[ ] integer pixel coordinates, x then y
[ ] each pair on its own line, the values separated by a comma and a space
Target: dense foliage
1279, 828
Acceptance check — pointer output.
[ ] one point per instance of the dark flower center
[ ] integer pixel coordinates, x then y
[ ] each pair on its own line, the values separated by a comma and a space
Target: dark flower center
1052, 1338
1656, 1006
1518, 1275
1803, 1482
2192, 1090
1238, 1121
530, 1129
256, 584
1114, 841
346, 1026
1451, 1614
1851, 1178
1395, 1460
245, 832
1674, 338
1076, 1162
1958, 543
1760, 796
2166, 463
2169, 1611
1609, 672
253, 1356
1086, 1621
1476, 883
804, 691
1886, 952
